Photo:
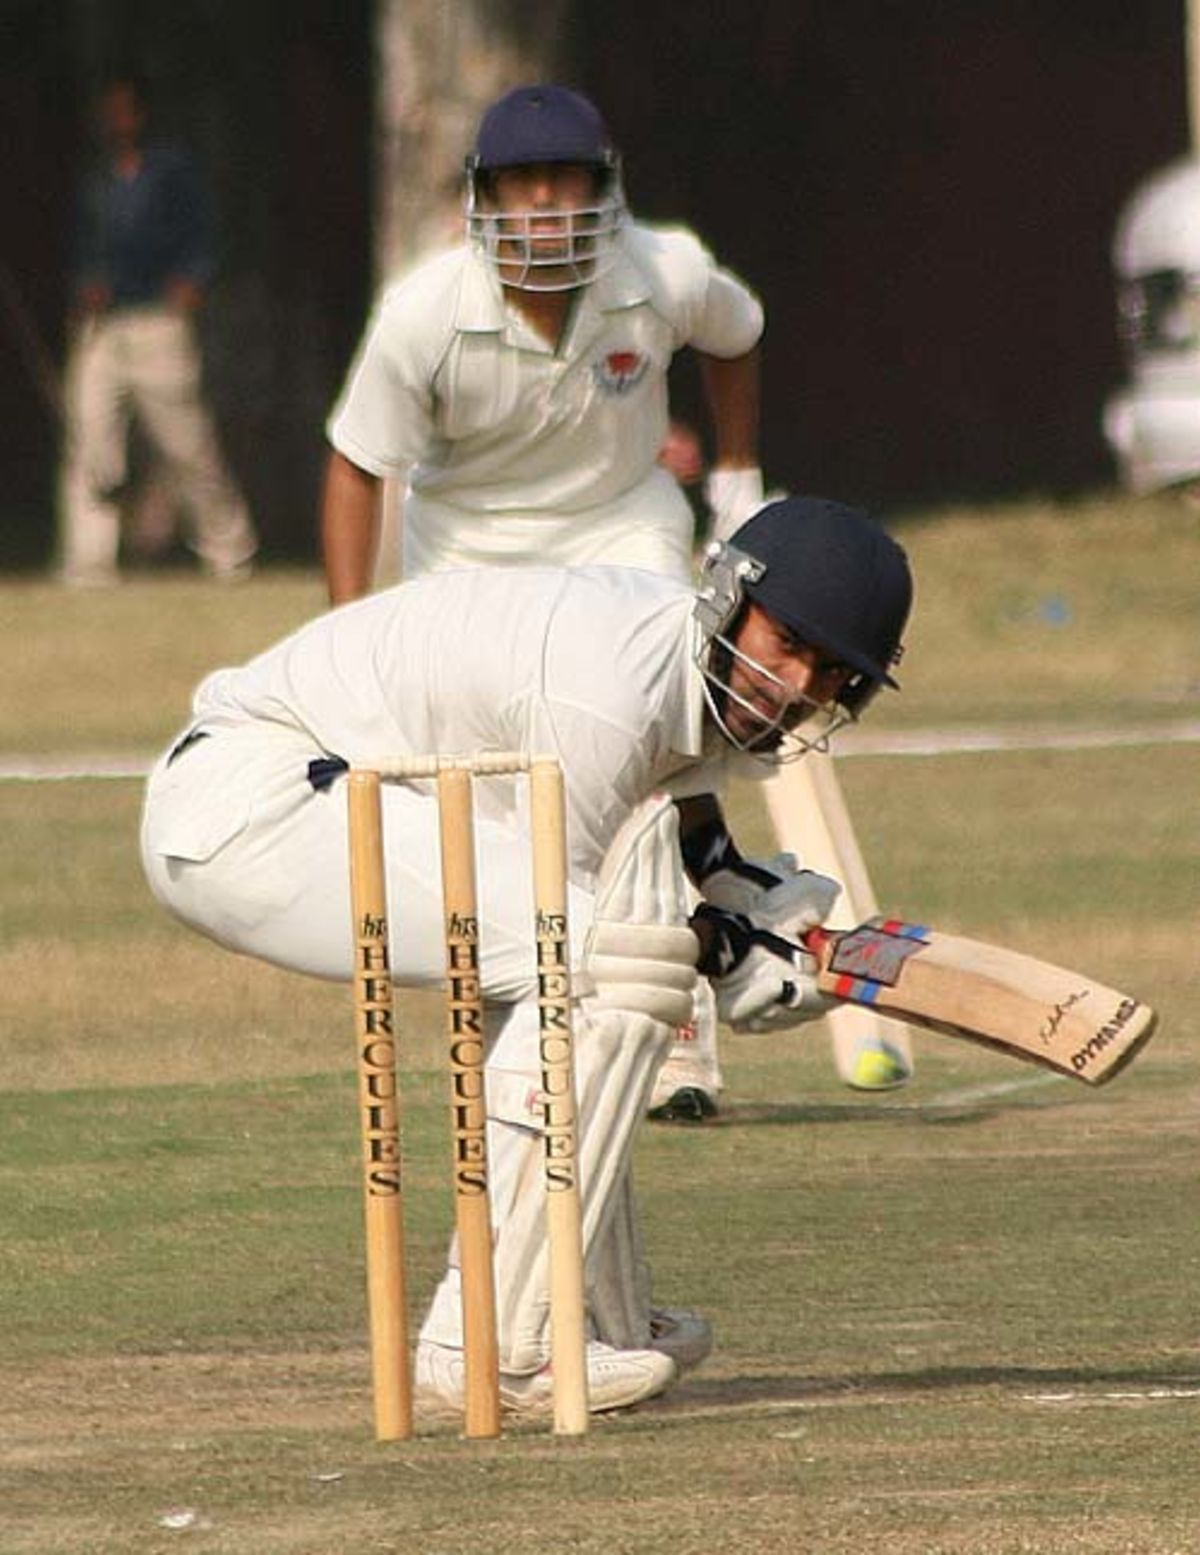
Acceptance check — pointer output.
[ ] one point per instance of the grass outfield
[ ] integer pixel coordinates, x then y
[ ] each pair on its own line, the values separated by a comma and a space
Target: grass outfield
959, 1319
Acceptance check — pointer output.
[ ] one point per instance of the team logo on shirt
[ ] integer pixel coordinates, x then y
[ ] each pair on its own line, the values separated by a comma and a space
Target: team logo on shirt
620, 371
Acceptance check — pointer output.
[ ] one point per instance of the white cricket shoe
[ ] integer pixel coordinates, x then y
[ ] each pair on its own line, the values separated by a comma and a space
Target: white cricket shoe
616, 1379
680, 1333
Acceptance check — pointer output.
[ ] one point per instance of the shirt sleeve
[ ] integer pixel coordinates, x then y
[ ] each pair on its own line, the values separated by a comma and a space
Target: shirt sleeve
384, 417
731, 320
709, 307
709, 776
609, 714
607, 765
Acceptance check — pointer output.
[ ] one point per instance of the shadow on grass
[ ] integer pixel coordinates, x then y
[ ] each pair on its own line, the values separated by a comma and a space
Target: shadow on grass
965, 1108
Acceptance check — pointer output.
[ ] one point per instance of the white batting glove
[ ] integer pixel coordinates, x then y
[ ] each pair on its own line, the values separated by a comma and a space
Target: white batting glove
798, 903
761, 981
733, 496
799, 900
766, 993
742, 887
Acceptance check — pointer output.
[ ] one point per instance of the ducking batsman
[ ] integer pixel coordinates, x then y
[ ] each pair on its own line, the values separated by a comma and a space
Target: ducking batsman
650, 692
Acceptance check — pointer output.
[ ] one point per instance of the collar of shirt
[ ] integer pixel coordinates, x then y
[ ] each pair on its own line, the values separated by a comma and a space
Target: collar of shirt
481, 307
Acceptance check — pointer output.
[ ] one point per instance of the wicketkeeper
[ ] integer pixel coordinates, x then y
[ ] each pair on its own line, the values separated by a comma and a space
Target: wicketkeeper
649, 693
516, 385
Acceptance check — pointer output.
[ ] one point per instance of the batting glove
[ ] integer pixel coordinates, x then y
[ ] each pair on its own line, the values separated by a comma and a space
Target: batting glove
762, 982
774, 893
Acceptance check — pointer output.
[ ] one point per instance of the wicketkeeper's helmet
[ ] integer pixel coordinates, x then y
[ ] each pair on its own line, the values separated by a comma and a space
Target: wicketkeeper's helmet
550, 125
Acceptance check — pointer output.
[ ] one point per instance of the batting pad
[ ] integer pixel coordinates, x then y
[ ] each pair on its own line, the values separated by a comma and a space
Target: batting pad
642, 878
639, 953
617, 1055
644, 952
638, 966
619, 1276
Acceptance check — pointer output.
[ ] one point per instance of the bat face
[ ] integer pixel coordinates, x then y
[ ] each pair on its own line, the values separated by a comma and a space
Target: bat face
1028, 1008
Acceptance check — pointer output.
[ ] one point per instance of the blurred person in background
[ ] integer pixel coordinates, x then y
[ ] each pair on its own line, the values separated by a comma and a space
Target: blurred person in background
141, 259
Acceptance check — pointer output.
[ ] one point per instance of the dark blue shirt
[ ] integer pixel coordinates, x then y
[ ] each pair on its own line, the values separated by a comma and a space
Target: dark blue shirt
136, 234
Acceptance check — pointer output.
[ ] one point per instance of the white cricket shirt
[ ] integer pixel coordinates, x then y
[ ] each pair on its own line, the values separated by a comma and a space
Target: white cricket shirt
491, 422
592, 665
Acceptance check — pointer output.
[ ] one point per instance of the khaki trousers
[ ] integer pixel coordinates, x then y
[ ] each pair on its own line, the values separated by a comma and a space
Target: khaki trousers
143, 362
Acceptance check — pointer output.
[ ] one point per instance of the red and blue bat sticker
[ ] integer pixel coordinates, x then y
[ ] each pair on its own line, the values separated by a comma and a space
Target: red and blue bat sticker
871, 957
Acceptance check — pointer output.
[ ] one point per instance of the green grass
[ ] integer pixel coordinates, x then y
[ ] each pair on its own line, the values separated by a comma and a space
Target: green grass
959, 1319
1071, 611
1078, 612
114, 669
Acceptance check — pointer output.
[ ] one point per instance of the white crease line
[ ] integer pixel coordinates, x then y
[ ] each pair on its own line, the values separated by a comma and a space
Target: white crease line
926, 742
1140, 1396
978, 1093
970, 741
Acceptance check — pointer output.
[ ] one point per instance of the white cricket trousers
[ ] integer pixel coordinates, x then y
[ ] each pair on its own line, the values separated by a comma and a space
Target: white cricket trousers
650, 527
144, 362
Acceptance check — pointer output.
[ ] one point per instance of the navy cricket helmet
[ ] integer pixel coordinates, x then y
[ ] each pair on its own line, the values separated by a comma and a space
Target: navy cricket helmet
540, 250
832, 575
828, 573
542, 124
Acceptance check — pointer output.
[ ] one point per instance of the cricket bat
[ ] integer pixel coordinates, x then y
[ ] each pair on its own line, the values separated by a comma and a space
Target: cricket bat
1000, 998
811, 820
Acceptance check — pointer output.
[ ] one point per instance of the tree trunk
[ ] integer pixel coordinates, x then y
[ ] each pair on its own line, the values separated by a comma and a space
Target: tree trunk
439, 63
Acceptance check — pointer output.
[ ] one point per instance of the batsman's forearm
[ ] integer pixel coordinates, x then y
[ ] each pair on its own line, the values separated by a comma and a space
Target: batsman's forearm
704, 838
349, 528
